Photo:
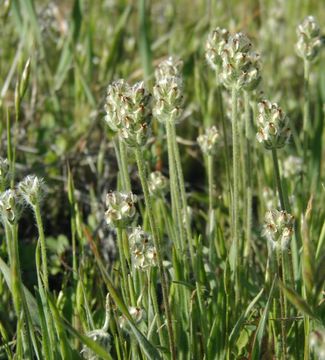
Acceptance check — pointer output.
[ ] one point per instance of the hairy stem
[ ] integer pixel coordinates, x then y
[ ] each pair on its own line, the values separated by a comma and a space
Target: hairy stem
156, 240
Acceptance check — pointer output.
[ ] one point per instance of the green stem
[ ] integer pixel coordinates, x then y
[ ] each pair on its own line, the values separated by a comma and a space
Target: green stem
211, 224
235, 197
156, 240
283, 313
306, 109
40, 228
175, 189
248, 177
181, 183
123, 264
124, 164
278, 178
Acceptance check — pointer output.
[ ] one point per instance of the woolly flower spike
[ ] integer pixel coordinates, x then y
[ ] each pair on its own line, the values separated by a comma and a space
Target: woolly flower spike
317, 342
4, 173
216, 41
128, 111
240, 66
168, 90
309, 39
10, 207
273, 125
292, 166
137, 314
120, 208
31, 189
100, 336
209, 140
278, 228
158, 184
143, 251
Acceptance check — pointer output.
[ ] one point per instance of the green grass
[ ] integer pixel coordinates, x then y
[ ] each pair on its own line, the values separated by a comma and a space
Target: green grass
69, 286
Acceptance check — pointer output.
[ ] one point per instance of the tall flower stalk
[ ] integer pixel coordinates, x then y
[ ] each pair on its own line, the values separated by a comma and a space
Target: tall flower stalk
168, 97
129, 114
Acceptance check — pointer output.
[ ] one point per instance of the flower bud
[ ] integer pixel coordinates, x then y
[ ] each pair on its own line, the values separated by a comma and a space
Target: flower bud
120, 208
309, 39
278, 228
32, 189
209, 141
214, 47
273, 125
137, 315
158, 184
142, 249
168, 91
10, 207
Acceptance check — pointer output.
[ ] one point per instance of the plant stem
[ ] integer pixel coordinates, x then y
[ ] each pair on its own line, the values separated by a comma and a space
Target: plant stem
124, 166
211, 225
181, 183
278, 178
235, 197
306, 109
123, 264
156, 240
40, 228
248, 190
175, 189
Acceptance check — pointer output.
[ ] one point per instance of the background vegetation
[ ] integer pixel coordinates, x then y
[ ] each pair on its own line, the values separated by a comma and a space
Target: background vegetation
76, 48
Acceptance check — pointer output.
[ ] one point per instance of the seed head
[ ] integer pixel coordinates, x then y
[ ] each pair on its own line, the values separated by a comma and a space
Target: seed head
137, 314
128, 111
168, 90
102, 338
240, 66
317, 342
158, 184
273, 125
278, 228
120, 208
309, 39
214, 46
208, 141
32, 189
10, 207
143, 251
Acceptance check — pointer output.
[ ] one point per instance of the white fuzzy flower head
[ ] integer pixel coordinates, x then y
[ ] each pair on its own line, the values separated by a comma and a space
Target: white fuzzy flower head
120, 208
209, 140
143, 252
240, 65
278, 228
158, 184
309, 39
292, 166
102, 338
317, 342
214, 46
32, 189
10, 207
168, 90
137, 315
273, 126
128, 111
4, 173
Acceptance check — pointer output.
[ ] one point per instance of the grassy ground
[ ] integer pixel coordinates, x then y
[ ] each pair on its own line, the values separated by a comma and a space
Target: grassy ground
216, 288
